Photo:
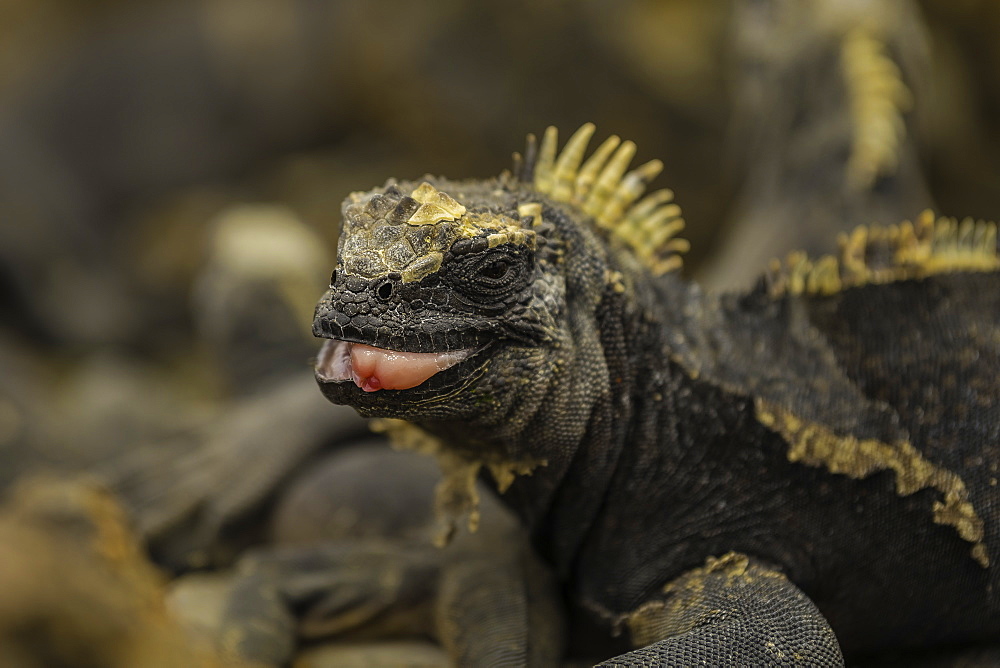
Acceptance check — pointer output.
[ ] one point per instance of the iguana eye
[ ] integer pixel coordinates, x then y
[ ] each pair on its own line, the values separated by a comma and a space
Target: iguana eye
490, 276
496, 270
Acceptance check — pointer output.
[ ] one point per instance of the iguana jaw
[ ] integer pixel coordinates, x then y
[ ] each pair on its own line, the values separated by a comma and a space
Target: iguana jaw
373, 369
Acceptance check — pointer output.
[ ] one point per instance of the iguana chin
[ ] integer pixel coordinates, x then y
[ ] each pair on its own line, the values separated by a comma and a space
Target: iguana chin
728, 477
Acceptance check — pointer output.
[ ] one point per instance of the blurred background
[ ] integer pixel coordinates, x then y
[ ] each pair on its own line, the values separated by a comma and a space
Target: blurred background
171, 175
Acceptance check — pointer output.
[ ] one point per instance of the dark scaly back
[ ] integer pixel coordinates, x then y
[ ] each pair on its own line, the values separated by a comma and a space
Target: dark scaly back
917, 329
876, 371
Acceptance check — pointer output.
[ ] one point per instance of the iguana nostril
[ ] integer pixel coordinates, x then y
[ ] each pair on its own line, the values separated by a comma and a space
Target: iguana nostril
333, 278
384, 290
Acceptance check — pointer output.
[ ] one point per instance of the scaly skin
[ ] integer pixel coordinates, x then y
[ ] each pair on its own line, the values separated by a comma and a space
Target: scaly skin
727, 477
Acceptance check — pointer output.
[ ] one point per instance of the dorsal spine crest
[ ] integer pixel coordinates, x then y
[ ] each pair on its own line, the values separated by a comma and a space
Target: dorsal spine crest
601, 188
879, 99
883, 254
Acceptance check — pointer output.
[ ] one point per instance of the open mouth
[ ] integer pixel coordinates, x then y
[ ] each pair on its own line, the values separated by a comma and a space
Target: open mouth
374, 369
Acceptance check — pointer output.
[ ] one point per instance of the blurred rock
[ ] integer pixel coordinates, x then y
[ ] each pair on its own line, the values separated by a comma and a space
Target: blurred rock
78, 591
198, 502
197, 601
254, 300
387, 654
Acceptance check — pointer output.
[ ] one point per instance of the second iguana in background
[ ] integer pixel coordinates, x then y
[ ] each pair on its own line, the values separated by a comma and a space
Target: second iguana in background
787, 476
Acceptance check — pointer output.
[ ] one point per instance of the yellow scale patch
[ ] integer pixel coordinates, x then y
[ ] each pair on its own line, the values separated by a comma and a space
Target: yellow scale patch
455, 496
815, 445
435, 206
686, 604
438, 207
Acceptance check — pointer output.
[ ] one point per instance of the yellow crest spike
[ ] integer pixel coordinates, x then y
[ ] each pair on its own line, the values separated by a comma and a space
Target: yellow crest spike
671, 263
647, 204
544, 169
610, 176
986, 237
666, 230
678, 245
878, 98
872, 255
588, 173
629, 190
659, 218
569, 162
603, 189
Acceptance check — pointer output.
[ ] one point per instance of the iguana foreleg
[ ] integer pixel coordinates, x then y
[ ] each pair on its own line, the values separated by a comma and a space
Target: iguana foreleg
732, 611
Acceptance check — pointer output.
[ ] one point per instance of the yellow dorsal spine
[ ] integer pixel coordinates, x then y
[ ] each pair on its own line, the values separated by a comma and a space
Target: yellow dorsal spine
883, 254
602, 188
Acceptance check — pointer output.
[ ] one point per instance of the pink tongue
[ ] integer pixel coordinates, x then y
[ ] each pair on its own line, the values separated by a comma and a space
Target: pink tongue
378, 369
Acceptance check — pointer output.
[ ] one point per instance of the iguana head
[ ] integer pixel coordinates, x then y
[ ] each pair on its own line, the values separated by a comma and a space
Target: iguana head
434, 282
468, 300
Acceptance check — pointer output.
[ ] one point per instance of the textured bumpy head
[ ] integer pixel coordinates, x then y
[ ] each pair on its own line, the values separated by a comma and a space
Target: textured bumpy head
430, 279
449, 296
407, 235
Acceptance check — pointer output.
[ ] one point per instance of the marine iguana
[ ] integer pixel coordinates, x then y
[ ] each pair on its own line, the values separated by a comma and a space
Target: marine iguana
773, 477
